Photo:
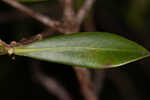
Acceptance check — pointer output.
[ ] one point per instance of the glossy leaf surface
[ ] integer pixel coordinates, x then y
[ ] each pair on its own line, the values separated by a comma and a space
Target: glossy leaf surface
87, 49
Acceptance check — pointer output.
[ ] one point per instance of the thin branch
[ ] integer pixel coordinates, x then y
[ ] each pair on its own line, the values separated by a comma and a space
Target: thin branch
34, 38
43, 19
69, 24
40, 36
50, 84
84, 10
86, 85
68, 10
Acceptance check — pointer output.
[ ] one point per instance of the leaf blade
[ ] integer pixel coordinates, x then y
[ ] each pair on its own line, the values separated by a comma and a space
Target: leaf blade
90, 49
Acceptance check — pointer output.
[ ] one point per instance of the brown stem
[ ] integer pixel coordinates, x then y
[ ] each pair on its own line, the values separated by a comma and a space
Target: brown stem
39, 36
34, 38
69, 24
43, 19
87, 89
68, 10
83, 11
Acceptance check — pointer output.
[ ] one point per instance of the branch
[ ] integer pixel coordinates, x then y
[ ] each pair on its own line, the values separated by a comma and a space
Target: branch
86, 85
43, 19
40, 36
50, 84
84, 10
69, 22
68, 10
34, 38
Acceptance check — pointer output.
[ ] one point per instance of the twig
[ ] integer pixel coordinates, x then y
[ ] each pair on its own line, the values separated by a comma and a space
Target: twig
83, 10
39, 36
69, 24
43, 19
34, 38
50, 84
86, 85
68, 10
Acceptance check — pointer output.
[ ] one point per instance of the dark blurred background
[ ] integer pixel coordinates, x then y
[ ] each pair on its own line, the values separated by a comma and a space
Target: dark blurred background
128, 18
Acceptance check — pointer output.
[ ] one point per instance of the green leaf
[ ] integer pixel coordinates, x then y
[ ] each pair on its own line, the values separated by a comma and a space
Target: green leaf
2, 48
30, 0
87, 49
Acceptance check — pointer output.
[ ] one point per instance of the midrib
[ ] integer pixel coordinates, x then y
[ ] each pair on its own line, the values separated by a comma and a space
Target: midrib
25, 50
